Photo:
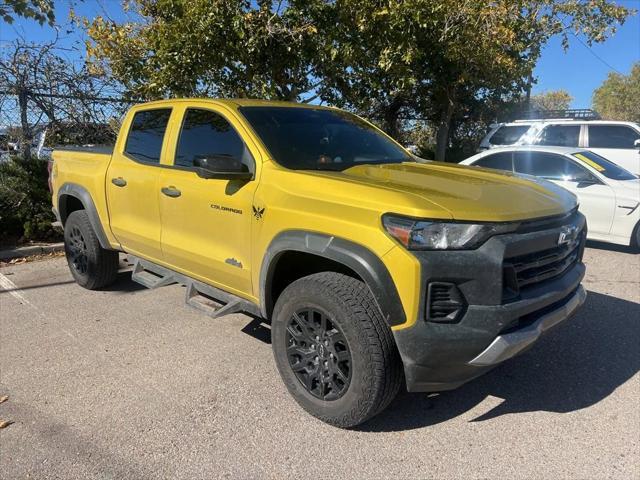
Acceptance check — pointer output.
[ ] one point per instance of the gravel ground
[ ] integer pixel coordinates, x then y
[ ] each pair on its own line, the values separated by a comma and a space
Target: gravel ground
130, 383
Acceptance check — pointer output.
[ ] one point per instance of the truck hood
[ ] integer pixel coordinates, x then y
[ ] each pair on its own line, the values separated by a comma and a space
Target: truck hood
469, 193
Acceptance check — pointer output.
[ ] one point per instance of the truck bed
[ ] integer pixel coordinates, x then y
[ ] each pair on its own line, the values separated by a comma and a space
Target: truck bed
85, 167
101, 149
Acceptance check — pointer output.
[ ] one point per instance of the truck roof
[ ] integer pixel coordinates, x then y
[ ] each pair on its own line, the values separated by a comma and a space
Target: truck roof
235, 102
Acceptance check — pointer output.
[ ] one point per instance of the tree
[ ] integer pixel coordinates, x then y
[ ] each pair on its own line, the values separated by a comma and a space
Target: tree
39, 10
618, 96
429, 59
551, 100
434, 58
209, 47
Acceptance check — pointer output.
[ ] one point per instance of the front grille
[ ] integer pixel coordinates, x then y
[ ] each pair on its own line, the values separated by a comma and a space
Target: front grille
534, 268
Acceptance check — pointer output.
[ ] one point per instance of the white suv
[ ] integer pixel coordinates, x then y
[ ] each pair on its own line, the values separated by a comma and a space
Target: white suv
619, 142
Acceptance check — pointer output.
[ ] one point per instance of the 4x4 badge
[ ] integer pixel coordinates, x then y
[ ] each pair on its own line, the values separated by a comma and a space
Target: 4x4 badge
258, 212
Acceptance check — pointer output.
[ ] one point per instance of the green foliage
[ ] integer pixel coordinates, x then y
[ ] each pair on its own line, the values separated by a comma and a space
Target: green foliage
226, 48
551, 100
432, 59
39, 10
618, 98
25, 201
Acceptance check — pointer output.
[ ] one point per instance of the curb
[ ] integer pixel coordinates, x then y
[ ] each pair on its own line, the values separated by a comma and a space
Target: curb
31, 250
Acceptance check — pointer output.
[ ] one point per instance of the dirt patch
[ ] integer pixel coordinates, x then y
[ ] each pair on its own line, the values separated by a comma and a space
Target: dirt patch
31, 258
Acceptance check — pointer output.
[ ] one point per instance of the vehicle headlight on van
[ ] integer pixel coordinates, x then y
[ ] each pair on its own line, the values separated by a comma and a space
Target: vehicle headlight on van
416, 234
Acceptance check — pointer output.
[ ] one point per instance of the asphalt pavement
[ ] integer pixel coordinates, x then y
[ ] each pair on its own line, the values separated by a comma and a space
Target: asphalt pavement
131, 383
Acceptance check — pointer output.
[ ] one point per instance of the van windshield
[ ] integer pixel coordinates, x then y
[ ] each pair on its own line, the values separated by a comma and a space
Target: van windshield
320, 139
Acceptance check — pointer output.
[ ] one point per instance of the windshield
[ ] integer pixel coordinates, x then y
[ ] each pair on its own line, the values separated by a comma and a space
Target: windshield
508, 134
604, 166
318, 139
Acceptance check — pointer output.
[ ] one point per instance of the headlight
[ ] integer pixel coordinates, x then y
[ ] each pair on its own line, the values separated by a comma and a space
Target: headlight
441, 235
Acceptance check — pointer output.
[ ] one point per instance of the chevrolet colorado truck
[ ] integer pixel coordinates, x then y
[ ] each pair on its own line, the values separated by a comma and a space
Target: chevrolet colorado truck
374, 268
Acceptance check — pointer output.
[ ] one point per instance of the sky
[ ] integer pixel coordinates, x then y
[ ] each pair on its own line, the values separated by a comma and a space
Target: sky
580, 70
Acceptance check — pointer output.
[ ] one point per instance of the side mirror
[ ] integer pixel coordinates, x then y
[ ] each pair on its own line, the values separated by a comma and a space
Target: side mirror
587, 182
636, 144
583, 179
223, 167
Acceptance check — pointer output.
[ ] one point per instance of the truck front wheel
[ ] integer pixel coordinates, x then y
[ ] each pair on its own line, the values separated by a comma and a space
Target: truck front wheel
334, 350
91, 266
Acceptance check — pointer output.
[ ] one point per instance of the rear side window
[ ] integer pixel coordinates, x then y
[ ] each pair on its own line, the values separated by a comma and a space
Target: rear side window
560, 135
499, 161
612, 136
207, 134
508, 134
146, 134
547, 165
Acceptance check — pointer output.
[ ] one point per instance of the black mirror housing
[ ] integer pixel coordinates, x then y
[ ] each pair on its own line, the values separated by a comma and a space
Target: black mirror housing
221, 167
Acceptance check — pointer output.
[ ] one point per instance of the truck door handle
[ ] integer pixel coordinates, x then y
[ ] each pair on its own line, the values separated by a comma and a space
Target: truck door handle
119, 182
171, 192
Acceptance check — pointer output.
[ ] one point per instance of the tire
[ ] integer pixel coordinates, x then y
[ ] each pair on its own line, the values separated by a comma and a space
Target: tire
371, 377
91, 266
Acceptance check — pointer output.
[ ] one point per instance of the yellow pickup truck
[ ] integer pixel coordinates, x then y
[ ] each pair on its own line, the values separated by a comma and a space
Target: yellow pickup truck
375, 269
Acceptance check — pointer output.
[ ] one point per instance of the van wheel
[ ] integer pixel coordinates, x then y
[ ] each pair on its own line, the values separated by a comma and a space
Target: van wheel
91, 266
335, 352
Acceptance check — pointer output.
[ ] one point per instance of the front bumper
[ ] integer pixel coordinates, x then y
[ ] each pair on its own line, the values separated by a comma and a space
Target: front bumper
497, 323
510, 344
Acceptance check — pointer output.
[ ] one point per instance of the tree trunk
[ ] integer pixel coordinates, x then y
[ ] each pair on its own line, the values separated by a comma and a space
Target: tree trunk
442, 136
26, 136
390, 118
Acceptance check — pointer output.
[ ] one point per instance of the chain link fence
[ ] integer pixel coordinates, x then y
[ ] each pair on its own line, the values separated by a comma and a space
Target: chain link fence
33, 123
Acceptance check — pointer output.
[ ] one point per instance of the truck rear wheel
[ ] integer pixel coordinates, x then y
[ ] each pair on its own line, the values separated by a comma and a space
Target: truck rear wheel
334, 350
91, 266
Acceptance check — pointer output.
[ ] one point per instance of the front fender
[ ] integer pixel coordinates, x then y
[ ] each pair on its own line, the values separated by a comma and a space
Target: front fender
354, 256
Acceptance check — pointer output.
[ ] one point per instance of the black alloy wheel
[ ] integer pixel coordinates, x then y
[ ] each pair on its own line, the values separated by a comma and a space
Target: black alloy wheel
77, 250
334, 349
318, 354
91, 266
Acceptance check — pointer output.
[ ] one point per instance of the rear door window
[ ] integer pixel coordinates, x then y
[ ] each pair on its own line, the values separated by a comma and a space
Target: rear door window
144, 142
547, 165
508, 134
560, 135
612, 136
499, 161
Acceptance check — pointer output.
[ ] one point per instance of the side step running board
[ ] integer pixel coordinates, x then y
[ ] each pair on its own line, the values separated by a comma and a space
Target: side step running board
151, 275
208, 299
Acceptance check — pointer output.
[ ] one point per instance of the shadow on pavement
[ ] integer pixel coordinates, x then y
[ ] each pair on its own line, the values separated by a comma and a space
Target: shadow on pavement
258, 329
36, 286
575, 366
124, 284
612, 247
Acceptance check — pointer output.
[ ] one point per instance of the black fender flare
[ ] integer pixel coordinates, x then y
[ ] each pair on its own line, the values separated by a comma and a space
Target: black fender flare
354, 256
81, 193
